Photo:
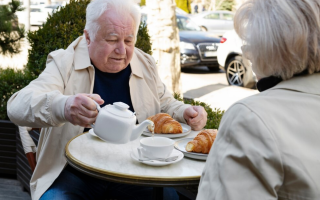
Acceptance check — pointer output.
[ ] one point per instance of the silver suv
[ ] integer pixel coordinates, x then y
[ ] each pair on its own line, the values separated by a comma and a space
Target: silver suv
238, 69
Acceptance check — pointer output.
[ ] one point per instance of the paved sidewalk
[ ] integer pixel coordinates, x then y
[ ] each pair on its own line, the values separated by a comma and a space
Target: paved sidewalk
212, 88
11, 189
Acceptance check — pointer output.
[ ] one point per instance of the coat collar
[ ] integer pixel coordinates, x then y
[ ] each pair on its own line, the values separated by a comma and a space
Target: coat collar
303, 83
136, 65
81, 54
82, 59
267, 83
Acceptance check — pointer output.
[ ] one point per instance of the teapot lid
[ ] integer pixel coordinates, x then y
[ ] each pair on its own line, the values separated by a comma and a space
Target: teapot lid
120, 109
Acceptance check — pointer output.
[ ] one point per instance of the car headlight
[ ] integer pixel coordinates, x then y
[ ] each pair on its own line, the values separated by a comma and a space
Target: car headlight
186, 45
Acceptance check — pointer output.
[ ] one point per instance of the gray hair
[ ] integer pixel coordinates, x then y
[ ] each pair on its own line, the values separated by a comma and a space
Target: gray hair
97, 7
282, 36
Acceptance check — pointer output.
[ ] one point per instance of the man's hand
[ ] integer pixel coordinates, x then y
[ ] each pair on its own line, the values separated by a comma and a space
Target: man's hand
81, 110
196, 117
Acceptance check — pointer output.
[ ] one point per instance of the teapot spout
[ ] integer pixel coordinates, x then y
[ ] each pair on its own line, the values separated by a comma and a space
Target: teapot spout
138, 129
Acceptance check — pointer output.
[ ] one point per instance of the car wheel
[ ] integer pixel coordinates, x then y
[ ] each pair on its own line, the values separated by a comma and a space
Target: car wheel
203, 28
235, 71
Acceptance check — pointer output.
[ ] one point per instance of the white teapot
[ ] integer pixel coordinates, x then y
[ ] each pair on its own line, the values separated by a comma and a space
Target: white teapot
116, 124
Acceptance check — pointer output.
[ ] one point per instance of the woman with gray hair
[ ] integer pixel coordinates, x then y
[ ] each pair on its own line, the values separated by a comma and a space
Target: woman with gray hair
268, 144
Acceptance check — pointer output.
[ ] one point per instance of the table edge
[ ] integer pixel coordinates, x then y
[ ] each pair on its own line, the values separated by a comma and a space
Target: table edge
122, 175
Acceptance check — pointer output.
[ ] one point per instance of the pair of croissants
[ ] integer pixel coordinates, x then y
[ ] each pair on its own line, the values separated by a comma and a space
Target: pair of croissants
165, 124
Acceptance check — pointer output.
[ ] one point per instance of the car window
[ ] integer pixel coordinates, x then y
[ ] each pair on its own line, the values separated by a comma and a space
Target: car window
227, 16
212, 16
186, 24
35, 10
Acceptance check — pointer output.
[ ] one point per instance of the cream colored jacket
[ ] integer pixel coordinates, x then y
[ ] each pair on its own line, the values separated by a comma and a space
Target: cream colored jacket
69, 72
268, 146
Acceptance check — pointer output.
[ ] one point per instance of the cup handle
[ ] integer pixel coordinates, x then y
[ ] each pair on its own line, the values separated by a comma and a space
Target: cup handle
98, 108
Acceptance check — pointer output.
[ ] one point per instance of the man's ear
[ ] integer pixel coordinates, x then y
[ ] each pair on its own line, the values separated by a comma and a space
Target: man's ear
87, 36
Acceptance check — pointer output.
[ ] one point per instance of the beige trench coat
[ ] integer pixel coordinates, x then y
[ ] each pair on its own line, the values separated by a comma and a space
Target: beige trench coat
69, 72
268, 146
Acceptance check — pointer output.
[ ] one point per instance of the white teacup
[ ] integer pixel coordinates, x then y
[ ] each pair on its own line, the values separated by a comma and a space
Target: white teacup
156, 147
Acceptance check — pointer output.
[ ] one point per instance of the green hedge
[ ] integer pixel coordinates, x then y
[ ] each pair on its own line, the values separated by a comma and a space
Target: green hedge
11, 81
214, 116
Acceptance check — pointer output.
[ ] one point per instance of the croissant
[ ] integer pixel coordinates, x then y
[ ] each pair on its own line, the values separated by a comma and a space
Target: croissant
203, 141
164, 123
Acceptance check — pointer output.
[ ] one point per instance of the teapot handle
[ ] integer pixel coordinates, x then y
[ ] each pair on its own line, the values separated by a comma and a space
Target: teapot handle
98, 108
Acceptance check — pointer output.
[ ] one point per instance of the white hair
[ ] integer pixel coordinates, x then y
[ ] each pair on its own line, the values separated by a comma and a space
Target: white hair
97, 7
282, 36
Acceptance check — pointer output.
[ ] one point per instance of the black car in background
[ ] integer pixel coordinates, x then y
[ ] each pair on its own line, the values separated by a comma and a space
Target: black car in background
197, 48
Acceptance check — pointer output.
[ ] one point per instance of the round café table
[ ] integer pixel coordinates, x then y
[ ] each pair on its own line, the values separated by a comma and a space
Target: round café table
112, 162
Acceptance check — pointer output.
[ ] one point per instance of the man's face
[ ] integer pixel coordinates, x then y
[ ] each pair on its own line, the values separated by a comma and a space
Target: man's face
112, 49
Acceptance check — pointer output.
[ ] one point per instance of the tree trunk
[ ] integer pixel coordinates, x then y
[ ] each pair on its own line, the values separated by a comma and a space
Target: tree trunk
164, 36
212, 5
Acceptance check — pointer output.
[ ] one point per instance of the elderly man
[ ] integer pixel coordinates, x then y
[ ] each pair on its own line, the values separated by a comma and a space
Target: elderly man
103, 65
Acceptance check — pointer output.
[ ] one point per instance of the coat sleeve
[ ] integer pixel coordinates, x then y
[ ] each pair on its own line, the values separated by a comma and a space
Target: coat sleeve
41, 103
244, 162
168, 103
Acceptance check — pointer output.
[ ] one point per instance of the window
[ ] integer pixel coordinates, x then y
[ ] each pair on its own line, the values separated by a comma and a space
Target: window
212, 16
227, 16
186, 24
35, 10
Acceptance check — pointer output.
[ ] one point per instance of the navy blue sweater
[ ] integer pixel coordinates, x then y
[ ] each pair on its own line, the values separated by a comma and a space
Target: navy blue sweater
113, 87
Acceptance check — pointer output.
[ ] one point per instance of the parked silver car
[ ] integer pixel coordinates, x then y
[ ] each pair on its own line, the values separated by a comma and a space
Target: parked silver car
238, 69
217, 22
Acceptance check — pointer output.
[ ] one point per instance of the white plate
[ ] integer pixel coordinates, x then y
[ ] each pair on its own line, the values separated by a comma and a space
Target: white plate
93, 134
185, 128
134, 156
181, 146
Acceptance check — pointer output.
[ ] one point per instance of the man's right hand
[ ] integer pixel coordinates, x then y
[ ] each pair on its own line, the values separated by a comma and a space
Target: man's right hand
81, 110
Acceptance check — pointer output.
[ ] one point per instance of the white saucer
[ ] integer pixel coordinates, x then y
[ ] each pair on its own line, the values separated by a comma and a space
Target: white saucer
134, 156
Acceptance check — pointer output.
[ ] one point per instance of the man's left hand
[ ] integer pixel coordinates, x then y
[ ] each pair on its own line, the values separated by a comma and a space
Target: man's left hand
196, 117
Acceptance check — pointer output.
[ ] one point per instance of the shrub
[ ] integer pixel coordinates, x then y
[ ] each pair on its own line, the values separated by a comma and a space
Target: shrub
143, 39
10, 32
214, 116
11, 81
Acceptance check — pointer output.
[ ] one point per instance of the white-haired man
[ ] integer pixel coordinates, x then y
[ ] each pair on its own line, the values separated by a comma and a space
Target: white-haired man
103, 65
